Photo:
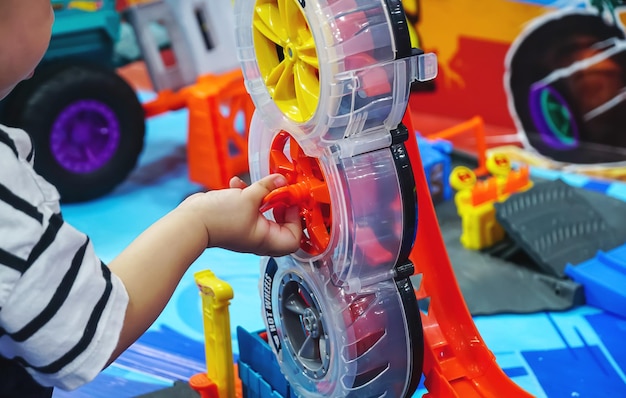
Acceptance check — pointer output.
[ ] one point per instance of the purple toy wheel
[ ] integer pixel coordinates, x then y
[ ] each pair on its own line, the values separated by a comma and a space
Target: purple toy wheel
553, 117
85, 136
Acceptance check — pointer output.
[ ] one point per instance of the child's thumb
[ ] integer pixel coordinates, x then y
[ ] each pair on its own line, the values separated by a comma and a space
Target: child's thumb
264, 186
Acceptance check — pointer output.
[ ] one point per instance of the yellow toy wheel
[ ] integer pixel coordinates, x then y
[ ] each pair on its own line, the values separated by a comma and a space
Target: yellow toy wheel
327, 70
285, 50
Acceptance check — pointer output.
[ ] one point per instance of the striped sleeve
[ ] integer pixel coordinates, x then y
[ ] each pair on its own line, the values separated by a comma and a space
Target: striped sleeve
61, 310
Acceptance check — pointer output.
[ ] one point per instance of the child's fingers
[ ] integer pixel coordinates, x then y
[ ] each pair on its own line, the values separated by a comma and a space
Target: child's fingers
279, 214
237, 182
264, 186
287, 239
292, 222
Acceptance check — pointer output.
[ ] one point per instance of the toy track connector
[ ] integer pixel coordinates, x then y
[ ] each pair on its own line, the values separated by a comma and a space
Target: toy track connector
475, 199
204, 386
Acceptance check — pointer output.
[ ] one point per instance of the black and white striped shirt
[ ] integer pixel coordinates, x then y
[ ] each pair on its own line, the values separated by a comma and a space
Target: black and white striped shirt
61, 310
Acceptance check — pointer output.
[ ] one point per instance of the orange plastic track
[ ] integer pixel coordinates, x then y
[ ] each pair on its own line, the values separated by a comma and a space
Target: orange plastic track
457, 363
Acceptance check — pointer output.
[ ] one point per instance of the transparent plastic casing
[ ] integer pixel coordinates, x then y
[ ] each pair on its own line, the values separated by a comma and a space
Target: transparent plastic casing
363, 86
335, 318
366, 209
341, 331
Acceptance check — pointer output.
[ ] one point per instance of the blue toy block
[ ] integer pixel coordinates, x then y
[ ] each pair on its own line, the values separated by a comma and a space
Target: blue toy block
437, 165
259, 370
603, 278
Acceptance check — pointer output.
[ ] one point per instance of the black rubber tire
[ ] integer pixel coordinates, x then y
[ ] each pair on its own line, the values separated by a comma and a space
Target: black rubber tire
36, 104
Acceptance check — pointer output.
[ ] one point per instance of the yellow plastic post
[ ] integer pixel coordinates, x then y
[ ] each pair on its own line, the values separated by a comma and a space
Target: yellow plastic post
216, 295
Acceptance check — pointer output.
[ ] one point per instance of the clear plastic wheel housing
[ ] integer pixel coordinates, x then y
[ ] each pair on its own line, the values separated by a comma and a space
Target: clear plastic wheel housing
330, 343
330, 80
365, 229
326, 69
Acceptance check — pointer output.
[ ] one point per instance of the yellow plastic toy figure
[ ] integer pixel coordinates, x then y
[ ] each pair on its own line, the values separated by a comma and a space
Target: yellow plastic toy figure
475, 199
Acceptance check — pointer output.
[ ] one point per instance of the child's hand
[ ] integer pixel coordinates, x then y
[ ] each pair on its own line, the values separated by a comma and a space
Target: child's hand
234, 222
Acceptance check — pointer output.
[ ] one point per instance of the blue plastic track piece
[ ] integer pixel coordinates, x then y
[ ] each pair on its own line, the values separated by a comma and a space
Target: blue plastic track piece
258, 368
604, 279
597, 185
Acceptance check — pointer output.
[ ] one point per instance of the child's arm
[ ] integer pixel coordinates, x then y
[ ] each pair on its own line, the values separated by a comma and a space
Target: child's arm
154, 263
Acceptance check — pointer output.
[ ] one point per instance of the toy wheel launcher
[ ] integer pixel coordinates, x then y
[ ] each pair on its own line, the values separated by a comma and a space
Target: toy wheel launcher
330, 80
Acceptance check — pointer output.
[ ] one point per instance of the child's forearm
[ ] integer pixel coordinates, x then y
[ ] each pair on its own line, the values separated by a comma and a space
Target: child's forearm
152, 266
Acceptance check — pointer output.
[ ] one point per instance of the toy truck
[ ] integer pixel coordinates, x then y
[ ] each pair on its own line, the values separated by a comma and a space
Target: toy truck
86, 122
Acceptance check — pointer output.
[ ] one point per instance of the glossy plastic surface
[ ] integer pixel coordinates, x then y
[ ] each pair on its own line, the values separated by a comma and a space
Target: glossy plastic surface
332, 343
330, 81
259, 370
364, 241
475, 199
363, 82
85, 136
604, 278
216, 295
457, 362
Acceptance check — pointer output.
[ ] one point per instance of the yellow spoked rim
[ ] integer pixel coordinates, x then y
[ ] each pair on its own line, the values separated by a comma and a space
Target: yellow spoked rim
287, 57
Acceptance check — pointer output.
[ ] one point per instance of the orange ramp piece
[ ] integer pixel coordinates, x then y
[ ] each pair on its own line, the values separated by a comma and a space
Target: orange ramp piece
220, 111
165, 101
457, 363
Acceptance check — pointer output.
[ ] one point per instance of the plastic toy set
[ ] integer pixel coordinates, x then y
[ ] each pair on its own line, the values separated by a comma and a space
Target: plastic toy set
603, 277
475, 199
330, 80
341, 313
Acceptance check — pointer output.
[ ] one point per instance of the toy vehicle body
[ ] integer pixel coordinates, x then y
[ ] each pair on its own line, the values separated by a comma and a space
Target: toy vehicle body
96, 28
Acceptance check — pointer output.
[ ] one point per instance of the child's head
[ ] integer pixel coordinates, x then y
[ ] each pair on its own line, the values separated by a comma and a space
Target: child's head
25, 27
